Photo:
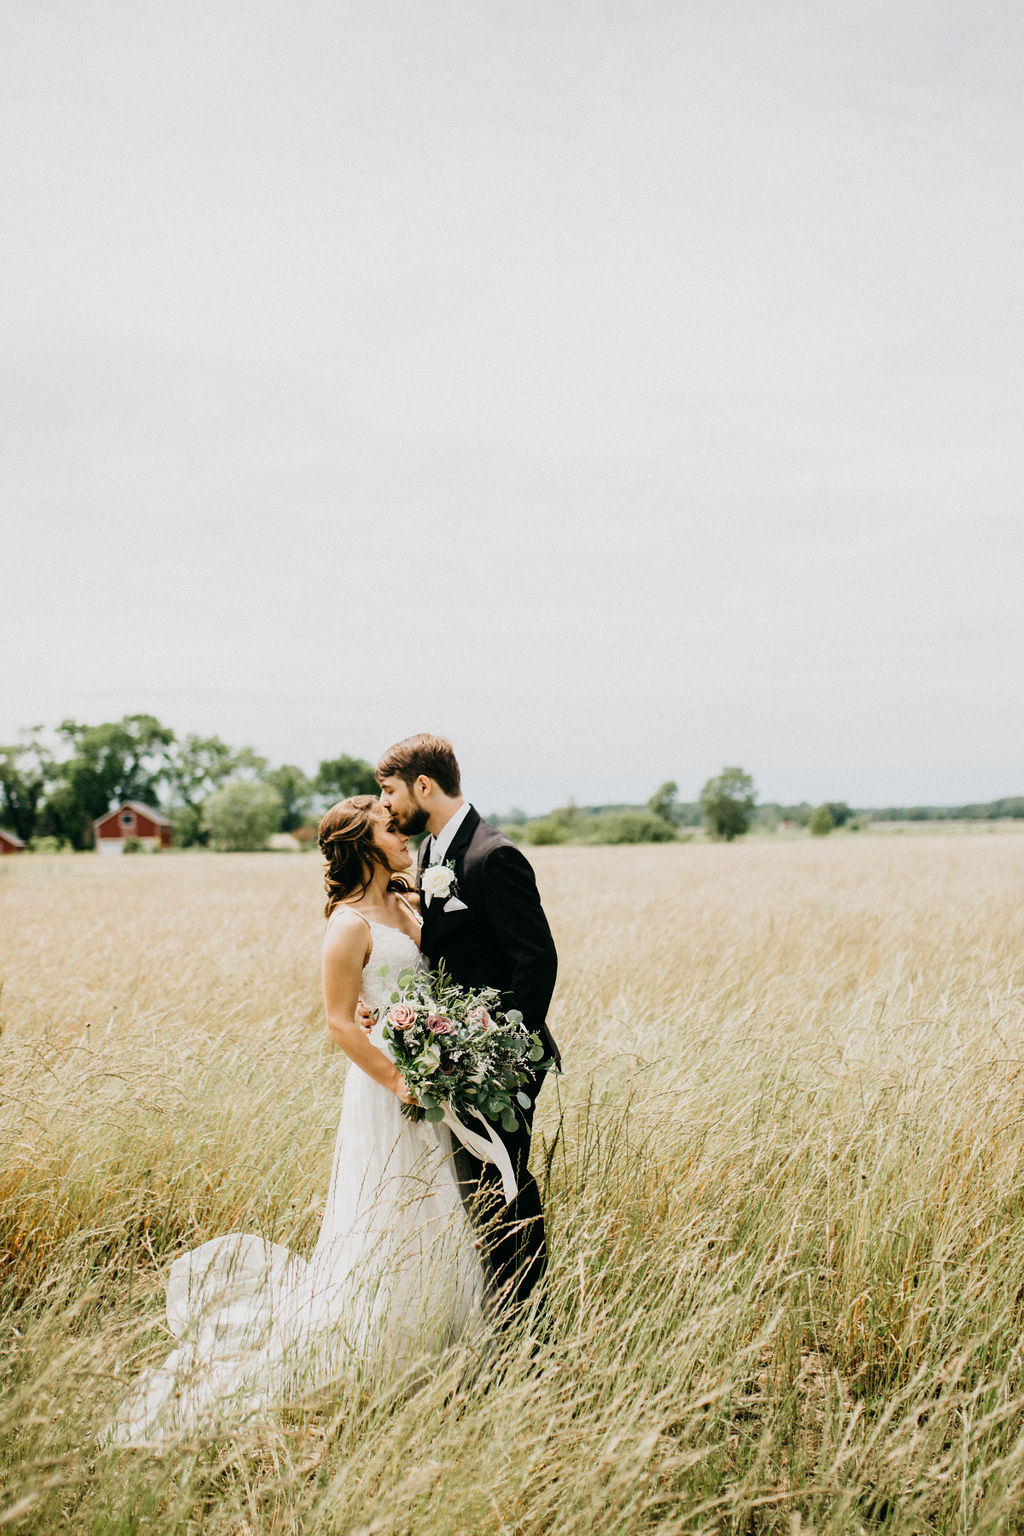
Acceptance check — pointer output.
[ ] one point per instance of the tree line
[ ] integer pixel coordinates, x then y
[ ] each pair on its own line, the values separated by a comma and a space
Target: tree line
55, 787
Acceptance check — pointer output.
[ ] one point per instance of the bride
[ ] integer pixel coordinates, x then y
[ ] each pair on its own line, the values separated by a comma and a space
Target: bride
395, 1270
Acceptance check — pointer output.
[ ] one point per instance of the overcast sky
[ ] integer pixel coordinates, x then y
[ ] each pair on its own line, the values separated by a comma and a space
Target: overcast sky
623, 389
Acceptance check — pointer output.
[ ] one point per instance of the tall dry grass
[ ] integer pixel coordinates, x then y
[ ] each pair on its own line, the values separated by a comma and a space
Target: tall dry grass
783, 1173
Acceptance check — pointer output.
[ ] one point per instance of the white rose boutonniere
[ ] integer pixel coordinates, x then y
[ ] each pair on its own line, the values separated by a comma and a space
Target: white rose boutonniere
438, 880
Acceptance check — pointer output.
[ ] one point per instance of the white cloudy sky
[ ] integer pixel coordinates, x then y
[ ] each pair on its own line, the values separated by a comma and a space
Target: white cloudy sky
623, 388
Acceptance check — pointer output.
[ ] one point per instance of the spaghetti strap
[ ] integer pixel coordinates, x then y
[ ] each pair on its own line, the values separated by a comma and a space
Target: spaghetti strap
410, 909
369, 926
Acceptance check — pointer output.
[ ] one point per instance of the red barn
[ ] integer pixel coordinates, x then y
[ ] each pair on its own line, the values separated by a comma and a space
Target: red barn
9, 843
130, 819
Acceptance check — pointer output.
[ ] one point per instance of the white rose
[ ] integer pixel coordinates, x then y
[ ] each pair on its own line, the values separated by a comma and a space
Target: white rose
438, 880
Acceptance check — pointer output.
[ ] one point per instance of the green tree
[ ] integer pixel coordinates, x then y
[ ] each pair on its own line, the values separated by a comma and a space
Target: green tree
665, 802
26, 770
295, 793
839, 811
241, 816
339, 777
198, 766
822, 821
728, 801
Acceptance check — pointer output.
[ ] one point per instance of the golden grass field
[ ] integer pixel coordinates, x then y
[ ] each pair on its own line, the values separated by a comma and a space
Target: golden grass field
784, 1175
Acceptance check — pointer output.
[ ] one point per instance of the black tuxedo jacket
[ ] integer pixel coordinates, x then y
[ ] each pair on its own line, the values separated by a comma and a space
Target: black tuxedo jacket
502, 939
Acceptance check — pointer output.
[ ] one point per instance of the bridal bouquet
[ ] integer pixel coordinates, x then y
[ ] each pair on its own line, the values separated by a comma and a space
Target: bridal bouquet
458, 1054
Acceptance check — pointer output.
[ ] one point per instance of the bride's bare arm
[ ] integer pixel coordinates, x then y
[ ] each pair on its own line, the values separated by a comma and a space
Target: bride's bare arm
345, 952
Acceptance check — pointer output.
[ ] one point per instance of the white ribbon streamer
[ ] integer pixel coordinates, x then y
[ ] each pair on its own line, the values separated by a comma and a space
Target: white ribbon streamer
493, 1150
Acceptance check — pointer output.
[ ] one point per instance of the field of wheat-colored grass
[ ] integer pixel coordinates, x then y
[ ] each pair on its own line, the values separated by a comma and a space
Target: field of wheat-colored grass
784, 1174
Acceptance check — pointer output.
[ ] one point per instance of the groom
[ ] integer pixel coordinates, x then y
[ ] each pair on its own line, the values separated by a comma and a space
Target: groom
488, 931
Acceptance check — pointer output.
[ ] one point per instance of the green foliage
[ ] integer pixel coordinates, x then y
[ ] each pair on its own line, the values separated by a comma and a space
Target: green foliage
839, 811
241, 816
727, 802
295, 792
339, 777
200, 764
45, 845
25, 771
189, 828
126, 759
547, 832
664, 803
822, 821
627, 827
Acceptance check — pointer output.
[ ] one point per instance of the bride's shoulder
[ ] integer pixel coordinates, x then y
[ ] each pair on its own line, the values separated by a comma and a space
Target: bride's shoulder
347, 932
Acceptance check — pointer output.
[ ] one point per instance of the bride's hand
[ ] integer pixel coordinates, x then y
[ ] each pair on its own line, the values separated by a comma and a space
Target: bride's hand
365, 1016
404, 1094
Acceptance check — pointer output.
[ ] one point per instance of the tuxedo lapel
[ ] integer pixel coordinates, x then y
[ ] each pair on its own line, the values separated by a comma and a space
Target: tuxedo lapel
421, 865
432, 911
462, 840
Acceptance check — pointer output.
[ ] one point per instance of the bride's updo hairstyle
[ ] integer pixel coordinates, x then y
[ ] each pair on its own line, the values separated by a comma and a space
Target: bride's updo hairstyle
346, 842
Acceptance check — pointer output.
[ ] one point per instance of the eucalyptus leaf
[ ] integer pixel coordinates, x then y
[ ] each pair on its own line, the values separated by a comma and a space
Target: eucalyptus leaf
508, 1121
514, 1016
434, 1114
536, 1051
524, 1101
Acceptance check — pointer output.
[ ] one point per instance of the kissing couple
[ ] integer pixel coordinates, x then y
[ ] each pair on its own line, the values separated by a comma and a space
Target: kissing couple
419, 1245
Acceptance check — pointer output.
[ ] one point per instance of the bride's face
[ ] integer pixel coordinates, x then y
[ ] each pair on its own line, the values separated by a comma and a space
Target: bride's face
393, 844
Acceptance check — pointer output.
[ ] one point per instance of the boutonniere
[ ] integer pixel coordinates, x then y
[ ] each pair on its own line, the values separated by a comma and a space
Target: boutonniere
439, 880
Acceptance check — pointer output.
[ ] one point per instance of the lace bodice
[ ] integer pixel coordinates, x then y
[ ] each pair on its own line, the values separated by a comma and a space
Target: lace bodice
393, 952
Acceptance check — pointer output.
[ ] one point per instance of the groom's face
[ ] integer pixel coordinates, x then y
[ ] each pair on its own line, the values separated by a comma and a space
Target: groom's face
405, 804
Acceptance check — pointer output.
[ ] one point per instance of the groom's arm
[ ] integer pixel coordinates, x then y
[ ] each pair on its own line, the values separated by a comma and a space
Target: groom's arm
516, 917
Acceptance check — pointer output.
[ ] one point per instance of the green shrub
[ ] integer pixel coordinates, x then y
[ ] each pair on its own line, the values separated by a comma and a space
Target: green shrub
627, 827
46, 845
821, 822
544, 833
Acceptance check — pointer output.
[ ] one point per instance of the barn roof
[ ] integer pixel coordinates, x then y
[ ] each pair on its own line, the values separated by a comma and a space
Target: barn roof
140, 810
11, 837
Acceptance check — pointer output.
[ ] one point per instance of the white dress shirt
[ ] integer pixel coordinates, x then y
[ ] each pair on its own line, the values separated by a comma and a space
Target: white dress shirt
440, 844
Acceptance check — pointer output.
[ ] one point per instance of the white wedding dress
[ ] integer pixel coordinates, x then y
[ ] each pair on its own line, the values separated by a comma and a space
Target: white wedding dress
395, 1271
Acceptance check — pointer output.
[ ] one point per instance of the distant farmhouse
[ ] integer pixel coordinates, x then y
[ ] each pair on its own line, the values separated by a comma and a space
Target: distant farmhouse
9, 843
130, 820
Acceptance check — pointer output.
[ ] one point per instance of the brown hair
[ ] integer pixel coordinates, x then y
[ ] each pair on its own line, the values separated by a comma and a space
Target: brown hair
346, 841
430, 755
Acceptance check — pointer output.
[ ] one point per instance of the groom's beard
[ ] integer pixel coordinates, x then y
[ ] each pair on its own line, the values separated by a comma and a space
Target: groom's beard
413, 823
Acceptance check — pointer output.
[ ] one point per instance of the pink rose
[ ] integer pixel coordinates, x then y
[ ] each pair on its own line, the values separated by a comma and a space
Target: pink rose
481, 1019
402, 1016
440, 1025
